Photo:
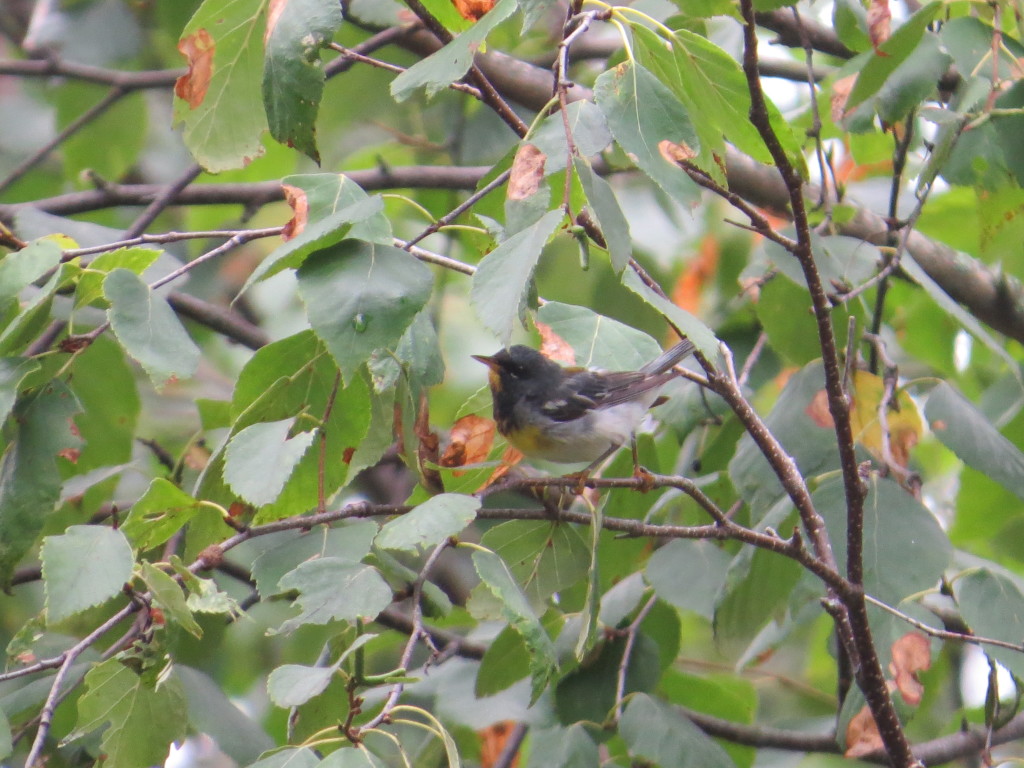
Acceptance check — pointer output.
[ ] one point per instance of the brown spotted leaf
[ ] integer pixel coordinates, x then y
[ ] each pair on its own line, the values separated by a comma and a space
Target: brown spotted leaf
910, 654
473, 10
553, 346
527, 172
862, 736
470, 442
198, 48
296, 198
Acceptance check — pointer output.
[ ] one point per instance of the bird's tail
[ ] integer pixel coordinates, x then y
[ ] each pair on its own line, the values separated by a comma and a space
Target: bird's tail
670, 357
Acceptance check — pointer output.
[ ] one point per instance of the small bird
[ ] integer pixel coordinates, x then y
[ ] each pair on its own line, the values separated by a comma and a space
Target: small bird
570, 415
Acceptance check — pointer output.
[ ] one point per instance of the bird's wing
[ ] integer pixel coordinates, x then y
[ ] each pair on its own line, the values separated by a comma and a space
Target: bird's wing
585, 391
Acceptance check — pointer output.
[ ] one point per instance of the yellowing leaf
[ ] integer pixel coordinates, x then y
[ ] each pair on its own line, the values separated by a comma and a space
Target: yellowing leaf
902, 419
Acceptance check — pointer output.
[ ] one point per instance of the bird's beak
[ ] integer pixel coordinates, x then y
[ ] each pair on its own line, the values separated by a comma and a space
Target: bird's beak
490, 362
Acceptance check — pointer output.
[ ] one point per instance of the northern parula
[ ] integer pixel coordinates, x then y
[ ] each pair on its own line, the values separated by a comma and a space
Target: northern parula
570, 415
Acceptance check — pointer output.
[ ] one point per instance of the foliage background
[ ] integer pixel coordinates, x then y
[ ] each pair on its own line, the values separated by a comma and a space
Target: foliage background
233, 507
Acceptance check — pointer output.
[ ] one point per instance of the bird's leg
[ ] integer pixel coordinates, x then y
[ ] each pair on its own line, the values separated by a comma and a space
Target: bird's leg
583, 475
640, 473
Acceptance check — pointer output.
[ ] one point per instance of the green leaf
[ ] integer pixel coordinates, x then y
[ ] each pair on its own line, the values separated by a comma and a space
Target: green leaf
222, 111
353, 207
444, 67
90, 285
569, 747
417, 356
599, 341
905, 548
516, 609
589, 131
913, 81
641, 113
260, 458
20, 269
688, 574
350, 541
890, 55
361, 297
430, 523
293, 684
331, 588
290, 757
589, 691
211, 712
160, 513
506, 662
142, 717
352, 757
702, 337
148, 328
544, 557
964, 430
502, 283
992, 605
168, 595
660, 733
293, 75
30, 478
614, 225
83, 567
6, 743
13, 371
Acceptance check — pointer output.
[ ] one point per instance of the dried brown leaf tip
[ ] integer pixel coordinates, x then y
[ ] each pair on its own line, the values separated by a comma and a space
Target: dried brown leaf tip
470, 442
911, 654
675, 153
862, 736
474, 10
554, 347
274, 11
296, 198
840, 94
879, 23
198, 48
527, 172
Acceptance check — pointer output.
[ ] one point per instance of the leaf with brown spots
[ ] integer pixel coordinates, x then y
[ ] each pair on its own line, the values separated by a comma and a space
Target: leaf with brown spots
471, 439
553, 346
274, 11
198, 48
473, 10
509, 459
676, 153
862, 736
299, 203
492, 744
527, 172
818, 410
840, 93
910, 654
879, 19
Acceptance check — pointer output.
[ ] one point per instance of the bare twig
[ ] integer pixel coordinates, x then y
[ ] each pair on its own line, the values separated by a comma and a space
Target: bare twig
631, 632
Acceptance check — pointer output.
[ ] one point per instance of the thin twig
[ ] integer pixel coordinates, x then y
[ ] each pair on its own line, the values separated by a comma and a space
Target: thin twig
944, 634
631, 632
161, 201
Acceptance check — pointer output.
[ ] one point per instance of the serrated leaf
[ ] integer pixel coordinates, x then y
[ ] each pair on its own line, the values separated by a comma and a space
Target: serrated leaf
260, 458
167, 593
142, 718
661, 733
444, 67
361, 297
331, 589
350, 541
964, 430
293, 75
597, 340
30, 478
702, 337
613, 222
516, 609
891, 54
218, 100
641, 113
321, 232
20, 269
501, 285
158, 514
430, 523
90, 284
148, 328
82, 567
